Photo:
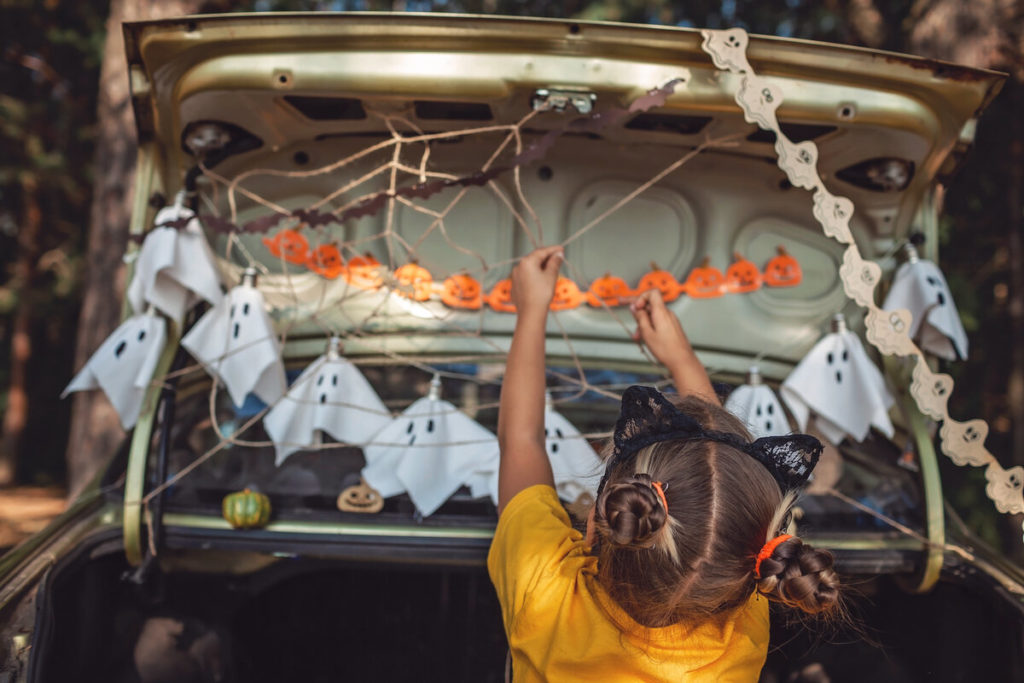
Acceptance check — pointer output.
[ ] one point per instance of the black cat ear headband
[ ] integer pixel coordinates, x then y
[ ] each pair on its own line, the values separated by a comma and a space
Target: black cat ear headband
647, 417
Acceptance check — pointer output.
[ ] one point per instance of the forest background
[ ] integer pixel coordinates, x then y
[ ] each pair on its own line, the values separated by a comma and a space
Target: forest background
67, 155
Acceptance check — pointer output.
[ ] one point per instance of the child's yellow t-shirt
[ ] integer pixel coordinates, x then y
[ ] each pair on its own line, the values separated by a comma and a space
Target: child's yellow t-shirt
551, 602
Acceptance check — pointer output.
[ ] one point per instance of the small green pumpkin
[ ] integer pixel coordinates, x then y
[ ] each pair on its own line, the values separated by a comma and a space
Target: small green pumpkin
246, 509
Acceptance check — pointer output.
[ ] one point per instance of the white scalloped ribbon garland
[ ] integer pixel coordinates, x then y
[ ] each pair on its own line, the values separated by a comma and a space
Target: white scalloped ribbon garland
888, 331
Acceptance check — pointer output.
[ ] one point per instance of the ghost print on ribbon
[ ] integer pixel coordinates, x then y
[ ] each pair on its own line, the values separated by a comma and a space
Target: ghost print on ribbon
330, 396
175, 267
235, 341
429, 451
839, 384
124, 364
756, 404
576, 467
920, 287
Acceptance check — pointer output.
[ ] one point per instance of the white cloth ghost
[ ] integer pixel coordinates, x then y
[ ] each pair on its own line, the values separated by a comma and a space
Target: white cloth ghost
841, 386
235, 340
175, 267
124, 363
920, 287
757, 405
331, 395
429, 451
577, 468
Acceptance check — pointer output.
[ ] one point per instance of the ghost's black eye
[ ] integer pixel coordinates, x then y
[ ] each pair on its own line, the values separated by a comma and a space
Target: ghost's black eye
430, 425
559, 433
320, 380
245, 309
408, 430
771, 409
232, 314
759, 411
120, 349
334, 380
829, 358
142, 335
846, 356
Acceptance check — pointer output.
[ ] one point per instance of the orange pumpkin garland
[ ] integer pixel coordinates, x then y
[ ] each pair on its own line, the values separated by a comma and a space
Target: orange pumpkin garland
500, 298
364, 272
567, 295
783, 270
608, 290
705, 281
415, 282
661, 280
462, 291
742, 276
289, 245
326, 260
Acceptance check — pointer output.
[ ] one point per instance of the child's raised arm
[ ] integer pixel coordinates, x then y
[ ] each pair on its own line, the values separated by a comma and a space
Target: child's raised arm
524, 460
659, 329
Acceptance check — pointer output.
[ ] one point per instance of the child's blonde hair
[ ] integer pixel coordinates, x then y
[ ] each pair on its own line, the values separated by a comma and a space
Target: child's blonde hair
696, 559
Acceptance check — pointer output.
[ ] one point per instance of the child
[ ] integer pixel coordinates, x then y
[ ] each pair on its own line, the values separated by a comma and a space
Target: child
684, 542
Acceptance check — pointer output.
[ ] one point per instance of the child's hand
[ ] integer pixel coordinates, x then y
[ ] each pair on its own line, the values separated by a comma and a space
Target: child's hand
659, 329
533, 280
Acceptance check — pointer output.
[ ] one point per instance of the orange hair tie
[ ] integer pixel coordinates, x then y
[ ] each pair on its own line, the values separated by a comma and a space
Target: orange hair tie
658, 488
767, 551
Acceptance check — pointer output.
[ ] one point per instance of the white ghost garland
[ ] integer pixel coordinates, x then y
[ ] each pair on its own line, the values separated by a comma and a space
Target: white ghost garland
235, 340
576, 467
429, 451
124, 364
331, 395
841, 386
920, 287
175, 266
757, 405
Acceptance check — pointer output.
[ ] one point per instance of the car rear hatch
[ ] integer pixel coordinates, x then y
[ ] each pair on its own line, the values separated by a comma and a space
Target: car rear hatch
456, 143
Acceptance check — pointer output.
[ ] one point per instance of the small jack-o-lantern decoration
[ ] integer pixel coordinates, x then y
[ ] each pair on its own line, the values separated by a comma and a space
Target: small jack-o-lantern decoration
360, 498
742, 276
705, 281
661, 280
289, 245
326, 260
500, 298
783, 270
462, 291
567, 295
246, 509
364, 272
414, 281
608, 290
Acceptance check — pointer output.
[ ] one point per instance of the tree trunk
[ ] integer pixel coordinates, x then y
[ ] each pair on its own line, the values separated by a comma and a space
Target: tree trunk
95, 429
26, 273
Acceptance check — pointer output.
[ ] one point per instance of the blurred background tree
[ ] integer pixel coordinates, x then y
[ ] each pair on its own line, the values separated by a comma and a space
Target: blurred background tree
52, 140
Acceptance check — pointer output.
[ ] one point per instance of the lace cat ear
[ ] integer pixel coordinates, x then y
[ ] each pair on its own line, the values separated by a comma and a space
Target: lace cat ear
647, 417
789, 458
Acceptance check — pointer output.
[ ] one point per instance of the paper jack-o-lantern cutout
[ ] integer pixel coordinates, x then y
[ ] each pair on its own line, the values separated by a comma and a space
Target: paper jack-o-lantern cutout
289, 245
364, 272
920, 287
123, 365
414, 282
236, 342
462, 291
361, 498
756, 404
705, 281
500, 298
429, 451
575, 465
608, 290
175, 267
661, 280
783, 270
841, 386
331, 395
326, 261
567, 295
742, 276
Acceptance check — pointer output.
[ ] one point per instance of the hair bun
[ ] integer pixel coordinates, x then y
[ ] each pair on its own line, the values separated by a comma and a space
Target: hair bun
800, 576
630, 513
